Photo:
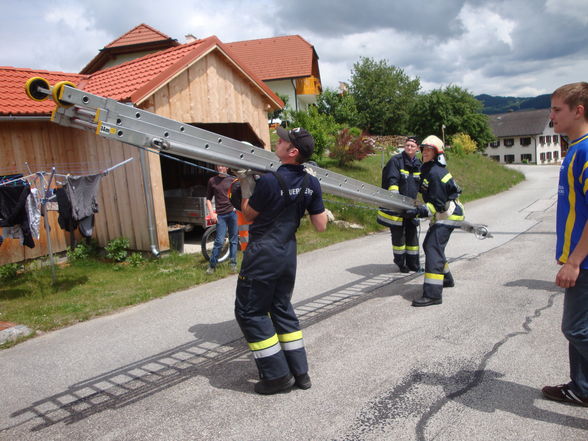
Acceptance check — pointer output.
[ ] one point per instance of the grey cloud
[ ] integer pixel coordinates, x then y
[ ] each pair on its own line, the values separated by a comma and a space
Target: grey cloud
325, 17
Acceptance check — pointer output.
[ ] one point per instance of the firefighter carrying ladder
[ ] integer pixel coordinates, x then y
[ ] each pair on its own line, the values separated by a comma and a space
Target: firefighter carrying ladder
122, 122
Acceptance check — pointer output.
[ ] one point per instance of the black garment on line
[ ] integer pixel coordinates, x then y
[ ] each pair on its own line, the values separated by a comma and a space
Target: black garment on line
65, 219
13, 211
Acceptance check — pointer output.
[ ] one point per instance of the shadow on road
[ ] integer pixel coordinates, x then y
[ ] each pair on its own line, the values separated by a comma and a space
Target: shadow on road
226, 364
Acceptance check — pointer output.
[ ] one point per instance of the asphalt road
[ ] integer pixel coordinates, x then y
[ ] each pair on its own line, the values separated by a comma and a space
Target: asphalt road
472, 368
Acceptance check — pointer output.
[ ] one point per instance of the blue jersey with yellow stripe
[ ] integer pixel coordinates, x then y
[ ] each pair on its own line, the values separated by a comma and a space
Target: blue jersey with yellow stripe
572, 200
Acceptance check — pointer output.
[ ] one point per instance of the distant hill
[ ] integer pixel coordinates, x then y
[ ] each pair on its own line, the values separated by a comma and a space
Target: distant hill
503, 104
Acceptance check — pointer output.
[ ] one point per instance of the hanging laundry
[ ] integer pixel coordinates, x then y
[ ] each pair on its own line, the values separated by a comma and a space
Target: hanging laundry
65, 218
14, 232
82, 191
33, 207
13, 210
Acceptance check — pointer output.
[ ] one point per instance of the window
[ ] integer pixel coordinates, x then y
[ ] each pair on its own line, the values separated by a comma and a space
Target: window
550, 123
525, 141
495, 157
542, 140
549, 156
542, 157
548, 139
526, 158
556, 155
555, 139
509, 142
509, 159
495, 144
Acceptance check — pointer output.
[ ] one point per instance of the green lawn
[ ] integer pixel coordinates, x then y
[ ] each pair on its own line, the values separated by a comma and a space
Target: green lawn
95, 287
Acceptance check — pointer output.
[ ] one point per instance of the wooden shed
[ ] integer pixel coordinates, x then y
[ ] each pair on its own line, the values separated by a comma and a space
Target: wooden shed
198, 83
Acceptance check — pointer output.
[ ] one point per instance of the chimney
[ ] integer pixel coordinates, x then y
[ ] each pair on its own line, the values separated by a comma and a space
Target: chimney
190, 38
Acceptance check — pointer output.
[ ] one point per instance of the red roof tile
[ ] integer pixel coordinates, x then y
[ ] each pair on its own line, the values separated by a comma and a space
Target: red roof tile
274, 58
122, 81
132, 81
138, 35
13, 98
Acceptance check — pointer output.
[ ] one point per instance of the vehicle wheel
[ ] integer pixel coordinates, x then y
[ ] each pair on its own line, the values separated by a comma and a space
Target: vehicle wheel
207, 244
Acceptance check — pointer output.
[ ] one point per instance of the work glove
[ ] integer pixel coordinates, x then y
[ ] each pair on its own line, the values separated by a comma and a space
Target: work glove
247, 181
418, 211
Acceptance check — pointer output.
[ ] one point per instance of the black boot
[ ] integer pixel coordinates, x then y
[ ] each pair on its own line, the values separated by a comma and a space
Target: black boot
426, 301
303, 381
269, 387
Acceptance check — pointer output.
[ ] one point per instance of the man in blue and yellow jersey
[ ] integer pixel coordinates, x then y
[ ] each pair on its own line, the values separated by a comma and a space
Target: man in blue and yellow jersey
569, 107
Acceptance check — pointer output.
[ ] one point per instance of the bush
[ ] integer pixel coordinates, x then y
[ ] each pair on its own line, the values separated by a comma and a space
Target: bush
463, 144
350, 146
323, 129
117, 249
82, 251
135, 259
8, 271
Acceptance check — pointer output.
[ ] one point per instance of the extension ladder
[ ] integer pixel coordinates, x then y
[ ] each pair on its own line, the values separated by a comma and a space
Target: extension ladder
122, 122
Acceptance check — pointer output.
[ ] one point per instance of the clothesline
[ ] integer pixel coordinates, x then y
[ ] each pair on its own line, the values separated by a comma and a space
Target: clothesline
42, 173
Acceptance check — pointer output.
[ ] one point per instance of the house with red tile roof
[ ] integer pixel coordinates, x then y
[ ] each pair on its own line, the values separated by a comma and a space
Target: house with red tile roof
191, 83
140, 41
288, 65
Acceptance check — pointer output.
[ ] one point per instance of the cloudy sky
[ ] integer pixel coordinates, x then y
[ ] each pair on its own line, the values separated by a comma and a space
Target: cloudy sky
498, 47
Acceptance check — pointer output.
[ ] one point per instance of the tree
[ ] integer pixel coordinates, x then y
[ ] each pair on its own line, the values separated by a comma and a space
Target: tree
383, 96
455, 108
340, 106
323, 128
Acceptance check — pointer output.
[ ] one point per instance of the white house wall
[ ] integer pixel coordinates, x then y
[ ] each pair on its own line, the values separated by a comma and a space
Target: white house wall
288, 87
540, 151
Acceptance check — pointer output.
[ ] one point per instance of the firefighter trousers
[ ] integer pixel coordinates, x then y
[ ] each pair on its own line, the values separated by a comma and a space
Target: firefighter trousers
405, 244
437, 272
263, 306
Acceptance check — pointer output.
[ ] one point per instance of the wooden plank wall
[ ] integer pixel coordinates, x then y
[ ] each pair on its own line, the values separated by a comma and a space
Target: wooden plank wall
121, 198
212, 91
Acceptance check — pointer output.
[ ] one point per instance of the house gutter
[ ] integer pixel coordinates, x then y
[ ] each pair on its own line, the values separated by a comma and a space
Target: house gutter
24, 118
293, 81
149, 202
